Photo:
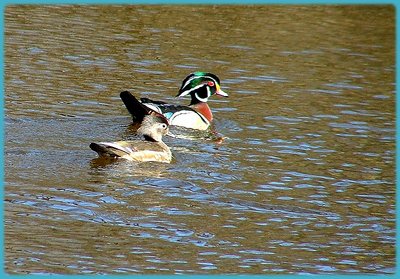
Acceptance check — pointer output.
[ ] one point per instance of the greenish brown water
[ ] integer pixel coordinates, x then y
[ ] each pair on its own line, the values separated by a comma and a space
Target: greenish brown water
304, 182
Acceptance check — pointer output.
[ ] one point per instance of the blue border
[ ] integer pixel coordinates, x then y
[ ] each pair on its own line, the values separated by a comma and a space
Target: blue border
4, 3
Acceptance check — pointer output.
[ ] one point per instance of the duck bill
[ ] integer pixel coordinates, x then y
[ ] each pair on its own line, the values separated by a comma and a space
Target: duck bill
221, 93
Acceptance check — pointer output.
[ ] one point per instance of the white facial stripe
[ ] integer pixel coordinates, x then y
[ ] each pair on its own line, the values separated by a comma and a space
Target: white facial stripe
189, 81
195, 77
184, 93
209, 91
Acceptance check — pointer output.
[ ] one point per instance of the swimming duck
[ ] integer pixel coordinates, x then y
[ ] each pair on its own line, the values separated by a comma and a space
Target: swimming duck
152, 148
197, 115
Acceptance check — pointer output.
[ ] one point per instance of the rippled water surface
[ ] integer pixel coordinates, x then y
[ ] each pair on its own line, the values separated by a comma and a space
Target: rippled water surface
303, 182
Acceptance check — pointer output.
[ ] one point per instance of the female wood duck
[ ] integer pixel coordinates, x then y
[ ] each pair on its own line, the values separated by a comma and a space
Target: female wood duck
152, 148
197, 115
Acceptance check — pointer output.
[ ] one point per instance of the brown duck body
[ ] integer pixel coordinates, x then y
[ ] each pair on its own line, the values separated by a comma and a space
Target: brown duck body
141, 151
152, 148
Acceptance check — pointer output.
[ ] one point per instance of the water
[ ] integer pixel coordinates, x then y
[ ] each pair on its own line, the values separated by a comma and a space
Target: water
302, 183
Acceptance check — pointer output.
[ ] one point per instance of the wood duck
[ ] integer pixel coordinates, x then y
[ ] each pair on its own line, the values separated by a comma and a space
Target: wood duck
152, 148
197, 115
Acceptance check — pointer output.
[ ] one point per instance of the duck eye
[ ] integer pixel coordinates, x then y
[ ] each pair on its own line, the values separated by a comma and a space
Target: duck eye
210, 83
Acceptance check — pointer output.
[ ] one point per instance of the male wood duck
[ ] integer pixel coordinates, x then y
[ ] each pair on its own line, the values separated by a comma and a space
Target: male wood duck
197, 115
152, 148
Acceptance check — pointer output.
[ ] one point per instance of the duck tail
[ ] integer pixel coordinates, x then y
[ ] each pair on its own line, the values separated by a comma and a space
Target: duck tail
135, 108
138, 110
109, 149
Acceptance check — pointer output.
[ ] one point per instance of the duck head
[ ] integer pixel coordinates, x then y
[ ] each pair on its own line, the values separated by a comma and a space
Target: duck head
200, 86
154, 126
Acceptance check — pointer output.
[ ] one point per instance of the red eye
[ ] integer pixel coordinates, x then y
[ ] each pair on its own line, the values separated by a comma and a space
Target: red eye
210, 83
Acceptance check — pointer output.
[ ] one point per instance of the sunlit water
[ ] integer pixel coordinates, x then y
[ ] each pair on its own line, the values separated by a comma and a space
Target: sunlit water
302, 183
